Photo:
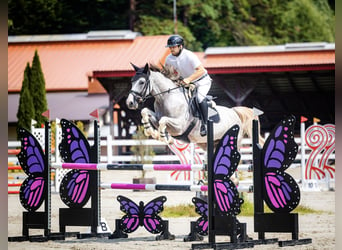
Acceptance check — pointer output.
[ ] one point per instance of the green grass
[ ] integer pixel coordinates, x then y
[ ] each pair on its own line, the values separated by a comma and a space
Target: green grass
247, 209
186, 210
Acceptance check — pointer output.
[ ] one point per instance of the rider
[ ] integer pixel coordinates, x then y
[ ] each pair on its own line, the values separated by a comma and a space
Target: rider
191, 70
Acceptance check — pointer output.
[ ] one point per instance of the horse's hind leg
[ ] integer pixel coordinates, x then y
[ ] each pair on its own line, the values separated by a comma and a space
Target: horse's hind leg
148, 117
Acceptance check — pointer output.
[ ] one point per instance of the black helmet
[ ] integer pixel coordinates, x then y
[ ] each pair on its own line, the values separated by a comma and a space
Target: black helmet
174, 41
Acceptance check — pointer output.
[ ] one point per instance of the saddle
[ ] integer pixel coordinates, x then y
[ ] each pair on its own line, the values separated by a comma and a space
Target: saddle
212, 112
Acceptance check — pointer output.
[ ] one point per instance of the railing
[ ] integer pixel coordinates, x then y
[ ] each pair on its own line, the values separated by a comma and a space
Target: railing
111, 146
111, 152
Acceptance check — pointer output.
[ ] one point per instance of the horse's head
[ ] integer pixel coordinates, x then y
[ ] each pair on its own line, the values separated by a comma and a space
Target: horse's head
141, 87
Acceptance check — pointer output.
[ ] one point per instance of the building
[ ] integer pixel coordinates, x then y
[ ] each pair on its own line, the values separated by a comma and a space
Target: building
84, 72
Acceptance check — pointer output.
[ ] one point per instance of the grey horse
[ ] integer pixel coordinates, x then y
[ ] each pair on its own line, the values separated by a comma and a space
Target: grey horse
172, 116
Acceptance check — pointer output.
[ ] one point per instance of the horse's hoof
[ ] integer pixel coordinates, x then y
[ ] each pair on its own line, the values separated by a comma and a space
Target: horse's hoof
147, 133
155, 135
171, 140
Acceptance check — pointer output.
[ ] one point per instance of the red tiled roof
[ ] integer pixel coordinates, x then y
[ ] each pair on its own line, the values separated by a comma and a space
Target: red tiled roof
275, 61
67, 65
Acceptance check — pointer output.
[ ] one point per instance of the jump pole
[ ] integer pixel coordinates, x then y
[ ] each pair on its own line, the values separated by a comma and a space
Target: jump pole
104, 166
146, 167
165, 187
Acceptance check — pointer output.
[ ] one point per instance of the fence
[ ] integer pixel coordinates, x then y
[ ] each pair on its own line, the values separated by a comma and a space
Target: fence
117, 151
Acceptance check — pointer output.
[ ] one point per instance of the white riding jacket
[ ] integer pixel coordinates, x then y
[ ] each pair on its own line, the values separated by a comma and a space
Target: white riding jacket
185, 65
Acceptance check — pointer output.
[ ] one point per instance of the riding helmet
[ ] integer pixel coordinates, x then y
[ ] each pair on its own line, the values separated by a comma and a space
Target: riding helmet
175, 40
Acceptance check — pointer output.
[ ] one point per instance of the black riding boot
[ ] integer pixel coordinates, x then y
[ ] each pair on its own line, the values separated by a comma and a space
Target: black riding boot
204, 114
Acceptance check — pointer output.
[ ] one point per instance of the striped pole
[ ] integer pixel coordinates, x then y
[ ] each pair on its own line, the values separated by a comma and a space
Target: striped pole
104, 166
165, 187
14, 168
14, 184
147, 167
13, 151
13, 192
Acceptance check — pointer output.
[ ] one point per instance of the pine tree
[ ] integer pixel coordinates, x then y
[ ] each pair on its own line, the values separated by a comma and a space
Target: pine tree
37, 89
26, 108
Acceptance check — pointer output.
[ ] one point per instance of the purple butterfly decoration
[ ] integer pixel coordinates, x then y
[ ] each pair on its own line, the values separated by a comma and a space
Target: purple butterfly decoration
281, 192
201, 207
140, 215
74, 188
31, 159
226, 161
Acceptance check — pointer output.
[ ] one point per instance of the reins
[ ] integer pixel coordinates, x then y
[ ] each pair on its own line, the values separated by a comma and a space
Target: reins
145, 97
166, 91
142, 96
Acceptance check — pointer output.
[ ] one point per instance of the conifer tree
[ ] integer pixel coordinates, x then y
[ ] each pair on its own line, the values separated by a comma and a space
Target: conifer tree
26, 108
37, 89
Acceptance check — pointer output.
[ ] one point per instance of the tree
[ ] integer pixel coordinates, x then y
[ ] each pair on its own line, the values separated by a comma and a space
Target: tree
202, 23
37, 89
272, 22
66, 16
26, 108
150, 26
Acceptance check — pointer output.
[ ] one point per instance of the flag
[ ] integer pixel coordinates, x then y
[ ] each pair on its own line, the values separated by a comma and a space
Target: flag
46, 114
257, 112
316, 120
303, 119
95, 113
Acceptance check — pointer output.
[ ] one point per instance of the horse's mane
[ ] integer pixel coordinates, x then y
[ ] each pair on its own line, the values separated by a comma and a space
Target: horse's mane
167, 70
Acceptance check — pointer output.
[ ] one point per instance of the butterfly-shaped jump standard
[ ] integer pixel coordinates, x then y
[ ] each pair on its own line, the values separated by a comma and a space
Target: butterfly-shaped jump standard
281, 192
201, 207
31, 159
140, 215
226, 160
74, 188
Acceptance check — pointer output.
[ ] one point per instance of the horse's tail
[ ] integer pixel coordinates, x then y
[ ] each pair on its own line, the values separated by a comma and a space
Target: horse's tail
246, 116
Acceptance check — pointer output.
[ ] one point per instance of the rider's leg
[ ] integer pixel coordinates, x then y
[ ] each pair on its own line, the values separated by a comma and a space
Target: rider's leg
202, 90
204, 114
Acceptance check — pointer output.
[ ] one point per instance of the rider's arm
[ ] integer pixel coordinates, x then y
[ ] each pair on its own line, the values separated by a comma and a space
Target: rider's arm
199, 71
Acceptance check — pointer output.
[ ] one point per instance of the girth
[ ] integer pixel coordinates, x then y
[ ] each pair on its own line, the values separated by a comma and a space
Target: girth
184, 137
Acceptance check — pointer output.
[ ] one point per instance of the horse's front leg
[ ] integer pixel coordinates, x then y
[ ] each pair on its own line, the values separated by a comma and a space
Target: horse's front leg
148, 117
172, 124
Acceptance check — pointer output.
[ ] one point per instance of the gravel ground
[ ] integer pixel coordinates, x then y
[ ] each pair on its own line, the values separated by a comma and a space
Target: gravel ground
319, 227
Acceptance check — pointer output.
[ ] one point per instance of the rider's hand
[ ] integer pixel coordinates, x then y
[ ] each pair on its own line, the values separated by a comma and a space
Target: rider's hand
186, 81
192, 86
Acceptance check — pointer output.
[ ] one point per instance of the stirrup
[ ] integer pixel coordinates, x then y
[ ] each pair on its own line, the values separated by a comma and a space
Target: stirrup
203, 130
211, 104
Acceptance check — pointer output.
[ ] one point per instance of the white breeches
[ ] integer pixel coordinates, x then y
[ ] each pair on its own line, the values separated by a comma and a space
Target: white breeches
203, 87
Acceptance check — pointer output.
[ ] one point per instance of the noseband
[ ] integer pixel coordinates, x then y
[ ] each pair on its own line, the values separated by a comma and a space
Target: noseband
146, 91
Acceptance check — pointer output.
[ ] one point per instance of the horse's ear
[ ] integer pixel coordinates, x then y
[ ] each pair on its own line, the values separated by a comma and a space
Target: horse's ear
146, 68
136, 68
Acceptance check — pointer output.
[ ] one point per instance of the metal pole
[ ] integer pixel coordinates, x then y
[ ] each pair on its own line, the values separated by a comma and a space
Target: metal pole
210, 155
302, 151
47, 160
111, 110
257, 178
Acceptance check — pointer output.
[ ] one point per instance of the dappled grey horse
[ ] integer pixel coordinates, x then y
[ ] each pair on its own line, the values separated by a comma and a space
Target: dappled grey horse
172, 116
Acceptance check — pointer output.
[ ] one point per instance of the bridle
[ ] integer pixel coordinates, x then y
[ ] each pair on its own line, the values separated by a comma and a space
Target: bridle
142, 96
145, 94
